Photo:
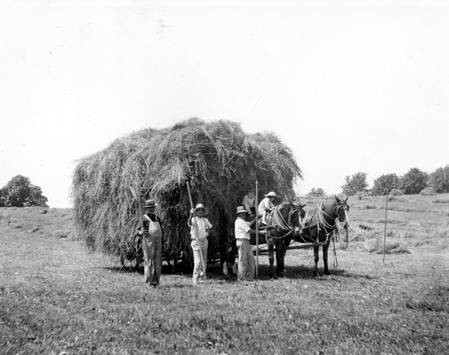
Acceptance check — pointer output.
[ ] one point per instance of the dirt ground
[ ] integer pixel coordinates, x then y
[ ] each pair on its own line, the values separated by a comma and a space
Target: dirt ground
58, 298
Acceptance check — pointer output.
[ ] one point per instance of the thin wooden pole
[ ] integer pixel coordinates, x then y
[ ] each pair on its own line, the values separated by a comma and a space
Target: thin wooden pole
385, 226
257, 230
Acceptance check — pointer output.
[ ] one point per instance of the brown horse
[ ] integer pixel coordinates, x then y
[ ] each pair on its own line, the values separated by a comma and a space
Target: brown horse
320, 226
284, 224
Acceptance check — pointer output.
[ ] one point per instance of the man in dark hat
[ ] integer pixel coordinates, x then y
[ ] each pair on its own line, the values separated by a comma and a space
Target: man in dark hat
152, 243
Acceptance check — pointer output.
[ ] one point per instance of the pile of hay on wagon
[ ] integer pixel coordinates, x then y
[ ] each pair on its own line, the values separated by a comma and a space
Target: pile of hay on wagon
221, 161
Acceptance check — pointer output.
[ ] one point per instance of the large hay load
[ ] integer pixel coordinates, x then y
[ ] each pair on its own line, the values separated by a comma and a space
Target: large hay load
222, 162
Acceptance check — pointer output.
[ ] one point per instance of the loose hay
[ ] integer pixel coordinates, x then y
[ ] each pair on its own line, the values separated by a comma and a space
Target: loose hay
110, 186
391, 247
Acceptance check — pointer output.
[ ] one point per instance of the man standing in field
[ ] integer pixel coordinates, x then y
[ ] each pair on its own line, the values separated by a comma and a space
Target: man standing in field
152, 243
199, 231
266, 205
246, 264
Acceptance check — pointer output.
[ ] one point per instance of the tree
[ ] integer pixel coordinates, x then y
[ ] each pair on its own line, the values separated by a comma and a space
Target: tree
316, 192
384, 183
3, 197
354, 184
19, 192
413, 181
439, 179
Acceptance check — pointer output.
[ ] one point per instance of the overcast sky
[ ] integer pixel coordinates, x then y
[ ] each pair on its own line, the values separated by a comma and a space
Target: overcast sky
348, 85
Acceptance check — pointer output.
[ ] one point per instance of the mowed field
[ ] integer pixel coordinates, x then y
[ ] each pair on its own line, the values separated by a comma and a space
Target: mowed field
56, 297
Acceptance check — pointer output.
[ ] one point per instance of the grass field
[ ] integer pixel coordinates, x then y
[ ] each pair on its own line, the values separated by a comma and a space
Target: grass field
57, 298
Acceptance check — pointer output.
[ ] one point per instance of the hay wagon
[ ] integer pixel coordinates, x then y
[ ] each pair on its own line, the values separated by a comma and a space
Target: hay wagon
219, 159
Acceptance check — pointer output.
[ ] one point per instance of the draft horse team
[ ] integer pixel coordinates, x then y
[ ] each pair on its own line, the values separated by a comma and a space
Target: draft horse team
278, 226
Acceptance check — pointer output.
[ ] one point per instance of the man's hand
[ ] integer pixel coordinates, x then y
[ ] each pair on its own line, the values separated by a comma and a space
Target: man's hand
192, 211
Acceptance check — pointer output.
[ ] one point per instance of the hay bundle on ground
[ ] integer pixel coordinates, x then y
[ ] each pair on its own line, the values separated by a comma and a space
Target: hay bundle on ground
110, 186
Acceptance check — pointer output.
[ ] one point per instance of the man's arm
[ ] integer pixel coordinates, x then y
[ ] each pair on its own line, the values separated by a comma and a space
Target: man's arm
262, 206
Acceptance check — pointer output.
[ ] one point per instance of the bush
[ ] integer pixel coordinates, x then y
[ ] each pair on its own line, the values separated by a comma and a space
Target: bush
428, 191
413, 181
354, 184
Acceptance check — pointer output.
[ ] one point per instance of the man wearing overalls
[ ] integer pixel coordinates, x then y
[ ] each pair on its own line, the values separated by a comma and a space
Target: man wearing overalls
152, 244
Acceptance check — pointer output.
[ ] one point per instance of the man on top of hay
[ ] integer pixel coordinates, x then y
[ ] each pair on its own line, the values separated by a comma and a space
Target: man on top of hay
152, 243
249, 202
199, 231
266, 205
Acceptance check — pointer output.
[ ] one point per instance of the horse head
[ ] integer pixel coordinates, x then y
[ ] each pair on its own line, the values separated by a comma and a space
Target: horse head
341, 210
292, 214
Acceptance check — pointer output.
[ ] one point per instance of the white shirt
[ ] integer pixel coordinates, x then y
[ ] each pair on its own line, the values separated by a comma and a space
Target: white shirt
202, 225
241, 229
265, 205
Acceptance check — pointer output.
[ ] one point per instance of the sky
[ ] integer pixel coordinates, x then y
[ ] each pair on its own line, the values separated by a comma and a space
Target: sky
348, 85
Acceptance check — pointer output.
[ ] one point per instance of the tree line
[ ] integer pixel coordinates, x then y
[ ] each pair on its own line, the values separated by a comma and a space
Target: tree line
413, 182
20, 192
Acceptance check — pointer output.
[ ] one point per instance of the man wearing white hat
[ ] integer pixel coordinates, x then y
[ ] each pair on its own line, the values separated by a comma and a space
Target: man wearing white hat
266, 205
246, 264
199, 231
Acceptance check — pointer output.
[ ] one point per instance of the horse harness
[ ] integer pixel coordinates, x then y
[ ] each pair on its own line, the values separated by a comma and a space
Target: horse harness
321, 224
330, 229
278, 220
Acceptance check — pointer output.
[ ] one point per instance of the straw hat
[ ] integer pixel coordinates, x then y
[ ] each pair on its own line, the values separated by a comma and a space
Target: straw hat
199, 206
241, 209
271, 194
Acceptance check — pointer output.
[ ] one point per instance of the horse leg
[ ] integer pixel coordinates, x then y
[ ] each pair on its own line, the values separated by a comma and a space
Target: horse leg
285, 245
325, 250
316, 256
271, 256
280, 259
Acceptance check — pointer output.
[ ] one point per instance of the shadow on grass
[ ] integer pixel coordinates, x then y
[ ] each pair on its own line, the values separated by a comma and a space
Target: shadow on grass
306, 273
215, 272
297, 272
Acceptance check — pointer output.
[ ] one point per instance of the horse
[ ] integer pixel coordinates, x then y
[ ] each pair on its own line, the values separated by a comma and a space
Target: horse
320, 226
284, 221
